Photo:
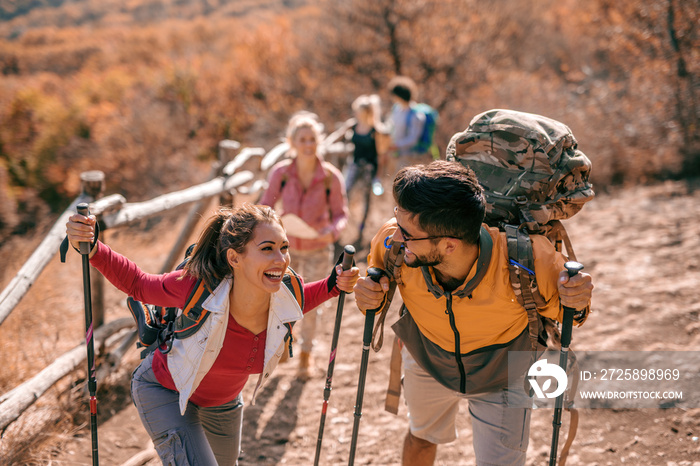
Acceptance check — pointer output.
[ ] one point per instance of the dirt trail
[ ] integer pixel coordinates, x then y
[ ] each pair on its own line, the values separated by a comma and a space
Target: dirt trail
642, 245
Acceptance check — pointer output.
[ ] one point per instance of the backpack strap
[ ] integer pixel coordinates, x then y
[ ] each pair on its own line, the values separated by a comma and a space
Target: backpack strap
521, 265
328, 181
558, 236
293, 283
289, 338
193, 314
393, 260
393, 390
392, 266
569, 406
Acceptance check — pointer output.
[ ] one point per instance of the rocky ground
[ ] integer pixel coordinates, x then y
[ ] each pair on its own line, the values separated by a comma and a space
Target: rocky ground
642, 246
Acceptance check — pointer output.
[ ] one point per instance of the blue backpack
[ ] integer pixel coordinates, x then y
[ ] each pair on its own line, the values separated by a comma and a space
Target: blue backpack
426, 141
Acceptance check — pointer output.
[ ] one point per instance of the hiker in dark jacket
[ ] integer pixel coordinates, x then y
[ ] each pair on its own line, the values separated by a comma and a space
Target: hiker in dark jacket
368, 163
189, 399
364, 130
439, 213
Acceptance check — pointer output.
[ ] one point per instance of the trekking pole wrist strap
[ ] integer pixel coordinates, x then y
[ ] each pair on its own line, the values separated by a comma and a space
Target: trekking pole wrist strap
63, 249
580, 316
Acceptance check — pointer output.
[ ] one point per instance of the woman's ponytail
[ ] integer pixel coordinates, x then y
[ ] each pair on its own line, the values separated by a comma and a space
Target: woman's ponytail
206, 261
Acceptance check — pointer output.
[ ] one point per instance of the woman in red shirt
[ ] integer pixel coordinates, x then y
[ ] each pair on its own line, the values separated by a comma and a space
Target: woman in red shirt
189, 399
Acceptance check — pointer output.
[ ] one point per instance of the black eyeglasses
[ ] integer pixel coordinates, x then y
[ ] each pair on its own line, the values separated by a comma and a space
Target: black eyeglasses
407, 237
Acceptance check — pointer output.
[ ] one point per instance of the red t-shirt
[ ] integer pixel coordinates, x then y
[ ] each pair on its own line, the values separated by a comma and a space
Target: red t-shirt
242, 354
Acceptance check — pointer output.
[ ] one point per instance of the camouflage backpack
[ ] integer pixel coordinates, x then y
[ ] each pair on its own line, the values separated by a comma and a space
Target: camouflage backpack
529, 165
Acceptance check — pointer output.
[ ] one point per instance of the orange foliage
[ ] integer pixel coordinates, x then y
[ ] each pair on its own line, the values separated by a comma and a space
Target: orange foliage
145, 90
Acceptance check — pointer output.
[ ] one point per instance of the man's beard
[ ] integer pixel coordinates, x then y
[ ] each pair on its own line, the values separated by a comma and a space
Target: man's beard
430, 260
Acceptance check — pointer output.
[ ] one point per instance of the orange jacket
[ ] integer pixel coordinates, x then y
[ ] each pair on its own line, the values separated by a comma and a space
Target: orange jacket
493, 315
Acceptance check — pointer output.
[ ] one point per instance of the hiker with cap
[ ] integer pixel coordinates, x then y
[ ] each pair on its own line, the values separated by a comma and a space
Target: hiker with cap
312, 192
188, 395
460, 316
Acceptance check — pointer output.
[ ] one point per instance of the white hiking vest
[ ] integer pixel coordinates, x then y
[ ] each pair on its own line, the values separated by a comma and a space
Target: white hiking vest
190, 359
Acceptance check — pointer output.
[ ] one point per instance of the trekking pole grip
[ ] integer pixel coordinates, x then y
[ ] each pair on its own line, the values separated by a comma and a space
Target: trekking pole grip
572, 268
84, 209
375, 274
348, 255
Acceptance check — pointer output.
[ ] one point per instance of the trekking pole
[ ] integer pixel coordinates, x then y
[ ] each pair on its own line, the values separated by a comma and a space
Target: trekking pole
573, 268
83, 209
375, 274
348, 253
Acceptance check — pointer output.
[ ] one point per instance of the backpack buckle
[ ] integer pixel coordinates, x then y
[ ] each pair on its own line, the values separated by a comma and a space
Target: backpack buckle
526, 217
165, 337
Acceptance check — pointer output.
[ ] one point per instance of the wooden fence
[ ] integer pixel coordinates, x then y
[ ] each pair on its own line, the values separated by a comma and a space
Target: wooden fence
243, 173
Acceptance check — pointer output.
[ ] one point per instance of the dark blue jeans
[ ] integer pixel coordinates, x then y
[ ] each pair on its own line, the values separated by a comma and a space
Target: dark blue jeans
203, 436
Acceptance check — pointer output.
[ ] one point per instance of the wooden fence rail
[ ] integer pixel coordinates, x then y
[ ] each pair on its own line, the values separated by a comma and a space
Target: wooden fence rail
14, 402
30, 271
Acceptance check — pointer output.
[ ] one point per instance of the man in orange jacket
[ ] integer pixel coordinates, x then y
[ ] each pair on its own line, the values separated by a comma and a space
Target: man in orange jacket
461, 316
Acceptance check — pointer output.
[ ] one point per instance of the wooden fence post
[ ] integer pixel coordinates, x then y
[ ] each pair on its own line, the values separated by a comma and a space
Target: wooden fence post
93, 185
226, 147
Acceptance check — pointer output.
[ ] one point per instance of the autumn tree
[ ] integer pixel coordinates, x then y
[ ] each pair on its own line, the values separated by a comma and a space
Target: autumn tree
467, 56
683, 19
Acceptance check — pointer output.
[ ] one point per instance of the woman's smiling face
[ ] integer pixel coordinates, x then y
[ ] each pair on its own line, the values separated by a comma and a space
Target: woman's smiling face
305, 142
264, 261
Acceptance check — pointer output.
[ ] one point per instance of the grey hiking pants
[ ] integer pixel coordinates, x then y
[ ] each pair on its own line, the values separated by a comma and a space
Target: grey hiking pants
203, 436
